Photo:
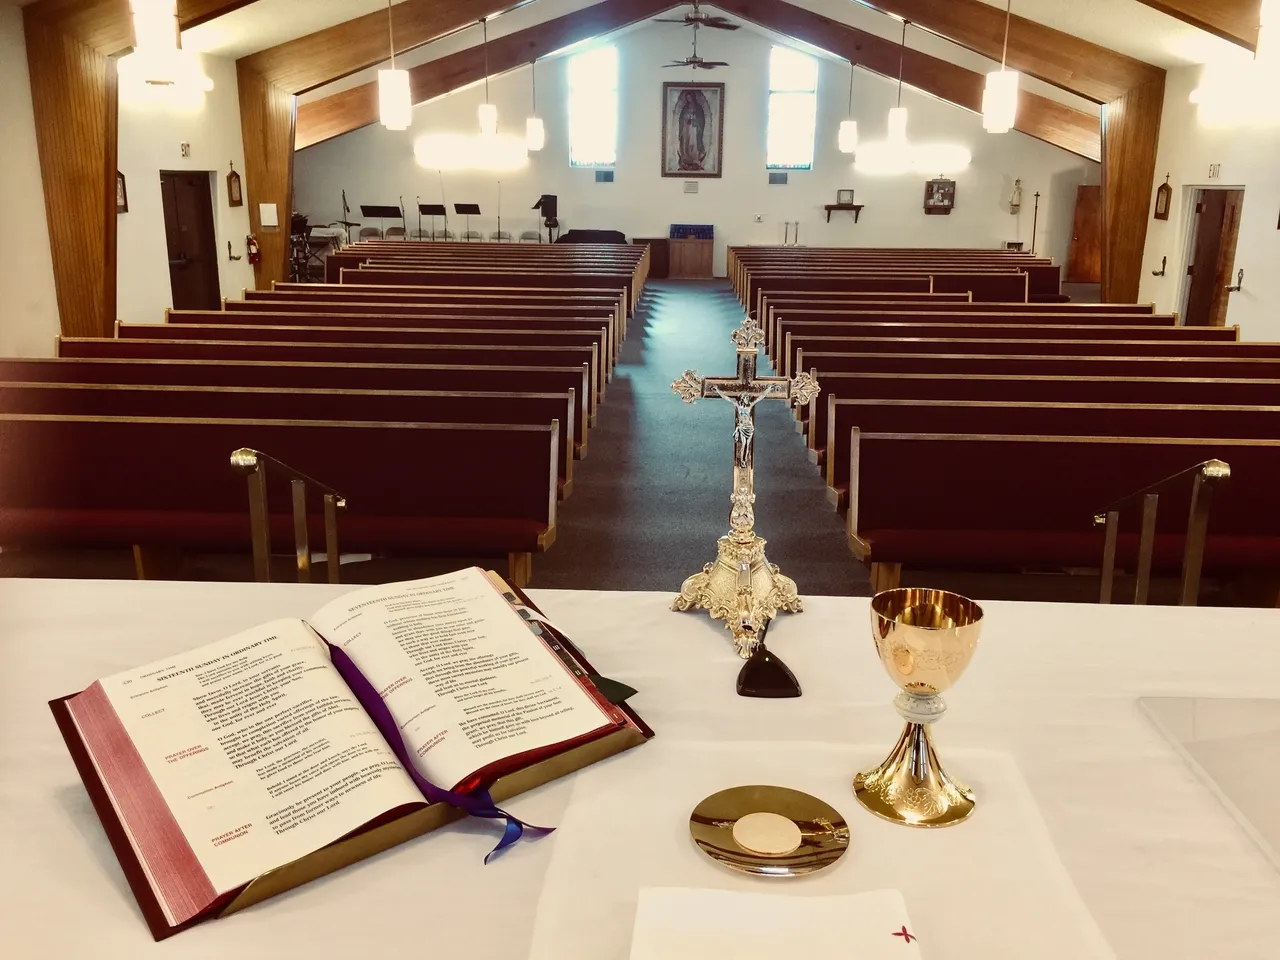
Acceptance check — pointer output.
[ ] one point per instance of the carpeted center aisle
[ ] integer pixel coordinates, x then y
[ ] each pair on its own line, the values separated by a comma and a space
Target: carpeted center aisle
652, 496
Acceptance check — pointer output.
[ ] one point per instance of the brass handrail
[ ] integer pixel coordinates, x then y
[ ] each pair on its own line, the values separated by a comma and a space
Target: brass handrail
1206, 476
253, 464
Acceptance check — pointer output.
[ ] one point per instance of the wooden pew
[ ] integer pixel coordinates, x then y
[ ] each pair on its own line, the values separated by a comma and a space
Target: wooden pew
598, 339
431, 379
370, 293
1097, 366
942, 501
385, 353
1030, 418
370, 316
1124, 390
140, 481
810, 335
293, 403
797, 348
496, 277
1007, 287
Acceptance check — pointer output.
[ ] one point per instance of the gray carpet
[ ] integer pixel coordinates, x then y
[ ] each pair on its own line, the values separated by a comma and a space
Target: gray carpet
652, 496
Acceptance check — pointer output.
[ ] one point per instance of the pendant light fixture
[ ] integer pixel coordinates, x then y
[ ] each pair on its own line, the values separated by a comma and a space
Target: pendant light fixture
535, 135
158, 59
395, 104
898, 114
848, 135
488, 112
1000, 96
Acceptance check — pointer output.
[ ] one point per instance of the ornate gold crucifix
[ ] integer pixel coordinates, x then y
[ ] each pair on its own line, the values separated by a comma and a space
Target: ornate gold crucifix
741, 587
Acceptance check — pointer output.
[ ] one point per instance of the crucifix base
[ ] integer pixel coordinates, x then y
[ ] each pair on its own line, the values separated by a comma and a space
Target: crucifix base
742, 588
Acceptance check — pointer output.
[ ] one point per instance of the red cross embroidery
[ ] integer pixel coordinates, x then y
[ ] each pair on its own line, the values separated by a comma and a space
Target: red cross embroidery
906, 937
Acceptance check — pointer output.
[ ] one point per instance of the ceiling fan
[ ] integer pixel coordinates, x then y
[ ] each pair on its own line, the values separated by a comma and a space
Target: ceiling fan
694, 60
699, 19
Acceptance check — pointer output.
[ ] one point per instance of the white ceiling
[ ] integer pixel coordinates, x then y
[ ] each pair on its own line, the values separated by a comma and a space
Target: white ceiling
1130, 27
266, 23
1127, 26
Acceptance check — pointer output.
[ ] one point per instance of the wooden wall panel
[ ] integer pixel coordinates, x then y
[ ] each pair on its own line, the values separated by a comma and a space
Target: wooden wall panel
356, 107
1234, 20
1084, 68
267, 114
73, 96
1130, 132
106, 25
327, 55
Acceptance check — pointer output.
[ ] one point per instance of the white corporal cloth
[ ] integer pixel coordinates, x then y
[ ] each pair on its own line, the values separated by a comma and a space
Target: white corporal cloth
1162, 867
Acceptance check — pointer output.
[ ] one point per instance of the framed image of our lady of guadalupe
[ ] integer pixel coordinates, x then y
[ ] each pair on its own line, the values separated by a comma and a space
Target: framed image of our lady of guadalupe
692, 129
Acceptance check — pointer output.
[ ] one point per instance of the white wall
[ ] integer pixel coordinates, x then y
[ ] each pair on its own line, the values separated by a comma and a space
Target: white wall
28, 300
377, 166
150, 136
1192, 138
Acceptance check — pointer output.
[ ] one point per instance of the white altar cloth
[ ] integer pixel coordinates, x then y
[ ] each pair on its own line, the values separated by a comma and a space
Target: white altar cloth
1162, 867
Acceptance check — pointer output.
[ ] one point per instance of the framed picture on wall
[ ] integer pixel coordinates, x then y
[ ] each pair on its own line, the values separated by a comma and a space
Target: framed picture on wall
692, 129
939, 196
122, 195
235, 195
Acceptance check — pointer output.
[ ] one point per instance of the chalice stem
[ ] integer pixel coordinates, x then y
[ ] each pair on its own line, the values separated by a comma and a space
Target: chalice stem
911, 786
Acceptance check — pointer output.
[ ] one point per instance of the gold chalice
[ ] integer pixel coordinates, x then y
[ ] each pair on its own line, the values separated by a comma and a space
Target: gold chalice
925, 639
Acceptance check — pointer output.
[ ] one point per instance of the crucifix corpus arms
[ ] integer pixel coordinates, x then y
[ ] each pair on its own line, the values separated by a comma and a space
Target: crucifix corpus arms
741, 587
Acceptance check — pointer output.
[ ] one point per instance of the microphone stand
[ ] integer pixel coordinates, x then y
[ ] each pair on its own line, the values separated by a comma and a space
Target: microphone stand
499, 211
418, 201
444, 203
403, 222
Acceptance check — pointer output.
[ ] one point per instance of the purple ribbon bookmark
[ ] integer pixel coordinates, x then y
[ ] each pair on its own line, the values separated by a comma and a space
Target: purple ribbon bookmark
478, 804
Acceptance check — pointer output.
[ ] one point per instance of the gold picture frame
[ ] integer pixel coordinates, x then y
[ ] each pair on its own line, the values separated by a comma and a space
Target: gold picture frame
122, 194
692, 130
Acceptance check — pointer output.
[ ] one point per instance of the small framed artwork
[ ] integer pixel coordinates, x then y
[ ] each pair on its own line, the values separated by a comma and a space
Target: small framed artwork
1164, 196
939, 197
122, 194
235, 195
692, 129
844, 196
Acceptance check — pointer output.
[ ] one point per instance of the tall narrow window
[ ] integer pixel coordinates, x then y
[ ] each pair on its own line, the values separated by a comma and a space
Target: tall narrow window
593, 108
793, 109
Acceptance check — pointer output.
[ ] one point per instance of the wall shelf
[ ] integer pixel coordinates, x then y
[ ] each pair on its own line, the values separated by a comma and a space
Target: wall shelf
854, 208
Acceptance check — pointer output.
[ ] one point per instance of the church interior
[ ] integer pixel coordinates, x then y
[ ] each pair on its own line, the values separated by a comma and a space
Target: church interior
933, 299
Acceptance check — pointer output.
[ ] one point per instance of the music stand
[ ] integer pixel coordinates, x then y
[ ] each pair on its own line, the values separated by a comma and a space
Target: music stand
382, 212
434, 210
467, 210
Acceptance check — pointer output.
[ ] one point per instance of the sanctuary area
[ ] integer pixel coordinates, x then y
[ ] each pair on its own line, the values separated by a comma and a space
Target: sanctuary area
625, 478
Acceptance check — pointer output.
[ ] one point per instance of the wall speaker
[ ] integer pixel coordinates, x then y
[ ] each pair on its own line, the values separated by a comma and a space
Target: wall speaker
604, 176
778, 178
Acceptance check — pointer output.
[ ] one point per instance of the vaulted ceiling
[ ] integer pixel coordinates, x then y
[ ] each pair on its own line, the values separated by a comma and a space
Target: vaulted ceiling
1082, 58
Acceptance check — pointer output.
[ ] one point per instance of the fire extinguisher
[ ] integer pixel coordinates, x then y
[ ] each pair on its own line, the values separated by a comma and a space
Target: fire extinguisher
251, 247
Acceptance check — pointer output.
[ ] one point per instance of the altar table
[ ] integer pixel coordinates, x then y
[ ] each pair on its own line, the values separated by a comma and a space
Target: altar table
1160, 864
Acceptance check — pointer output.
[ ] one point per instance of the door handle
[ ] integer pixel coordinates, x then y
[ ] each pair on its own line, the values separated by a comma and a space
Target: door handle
180, 262
1239, 282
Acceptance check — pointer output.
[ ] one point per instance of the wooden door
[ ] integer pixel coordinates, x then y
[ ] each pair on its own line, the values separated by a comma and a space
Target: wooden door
193, 248
1213, 253
1084, 258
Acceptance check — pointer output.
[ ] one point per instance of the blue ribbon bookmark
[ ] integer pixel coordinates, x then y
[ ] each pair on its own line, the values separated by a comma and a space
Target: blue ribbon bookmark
478, 804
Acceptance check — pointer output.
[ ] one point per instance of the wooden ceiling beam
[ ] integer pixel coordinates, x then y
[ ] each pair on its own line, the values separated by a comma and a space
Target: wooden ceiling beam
356, 107
1087, 69
341, 50
1048, 120
1232, 20
107, 25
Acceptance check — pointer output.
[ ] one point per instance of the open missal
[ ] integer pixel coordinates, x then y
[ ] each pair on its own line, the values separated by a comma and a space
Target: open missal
249, 766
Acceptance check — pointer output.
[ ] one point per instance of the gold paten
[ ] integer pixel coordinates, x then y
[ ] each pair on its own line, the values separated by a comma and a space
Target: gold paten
824, 834
742, 587
925, 639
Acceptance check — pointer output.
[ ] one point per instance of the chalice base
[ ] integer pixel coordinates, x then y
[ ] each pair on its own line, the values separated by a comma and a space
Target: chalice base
911, 787
741, 588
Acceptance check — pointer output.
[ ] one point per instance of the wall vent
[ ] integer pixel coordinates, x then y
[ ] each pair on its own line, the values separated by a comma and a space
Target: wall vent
604, 176
778, 177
